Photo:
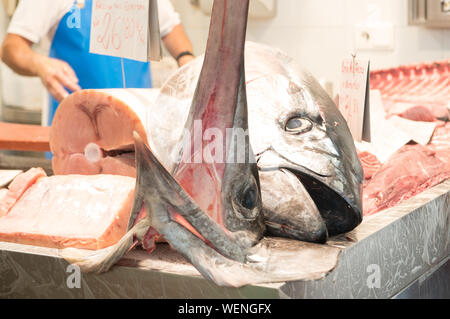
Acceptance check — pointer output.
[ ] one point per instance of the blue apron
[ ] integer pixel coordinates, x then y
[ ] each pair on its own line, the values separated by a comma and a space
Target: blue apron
71, 44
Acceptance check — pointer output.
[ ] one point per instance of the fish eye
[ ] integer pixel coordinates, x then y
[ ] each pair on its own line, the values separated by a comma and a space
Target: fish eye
298, 125
248, 200
246, 203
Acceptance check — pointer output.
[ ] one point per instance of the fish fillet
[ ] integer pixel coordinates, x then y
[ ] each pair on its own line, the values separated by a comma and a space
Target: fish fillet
17, 187
395, 182
92, 132
87, 212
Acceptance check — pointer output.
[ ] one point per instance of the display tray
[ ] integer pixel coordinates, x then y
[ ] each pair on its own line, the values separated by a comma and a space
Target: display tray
382, 257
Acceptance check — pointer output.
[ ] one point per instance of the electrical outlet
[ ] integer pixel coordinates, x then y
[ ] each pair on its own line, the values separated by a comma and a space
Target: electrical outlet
376, 37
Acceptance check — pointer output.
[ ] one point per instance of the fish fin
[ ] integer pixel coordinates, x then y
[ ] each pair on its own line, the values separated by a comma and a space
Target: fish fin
136, 209
211, 265
164, 198
102, 260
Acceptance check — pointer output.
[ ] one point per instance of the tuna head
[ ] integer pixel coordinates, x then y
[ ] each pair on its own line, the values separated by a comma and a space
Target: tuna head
303, 132
277, 93
213, 191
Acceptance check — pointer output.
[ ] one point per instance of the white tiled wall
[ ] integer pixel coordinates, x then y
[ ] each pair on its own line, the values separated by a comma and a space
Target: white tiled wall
319, 33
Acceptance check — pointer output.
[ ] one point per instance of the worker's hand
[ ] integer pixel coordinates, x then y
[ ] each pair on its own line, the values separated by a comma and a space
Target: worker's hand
57, 75
185, 59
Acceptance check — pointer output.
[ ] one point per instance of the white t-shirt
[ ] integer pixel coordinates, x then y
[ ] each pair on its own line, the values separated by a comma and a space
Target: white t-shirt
34, 20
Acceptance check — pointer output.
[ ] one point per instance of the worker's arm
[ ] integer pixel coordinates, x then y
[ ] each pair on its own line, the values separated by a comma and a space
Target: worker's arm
177, 42
55, 74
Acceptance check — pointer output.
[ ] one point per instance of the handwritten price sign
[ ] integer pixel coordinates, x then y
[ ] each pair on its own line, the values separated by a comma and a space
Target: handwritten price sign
120, 28
354, 97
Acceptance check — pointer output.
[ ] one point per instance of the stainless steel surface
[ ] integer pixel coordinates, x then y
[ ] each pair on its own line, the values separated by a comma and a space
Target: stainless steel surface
397, 246
25, 162
417, 11
155, 49
429, 13
400, 245
435, 284
21, 115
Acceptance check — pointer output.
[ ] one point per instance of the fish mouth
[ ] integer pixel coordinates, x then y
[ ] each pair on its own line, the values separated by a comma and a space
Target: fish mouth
288, 209
340, 209
340, 216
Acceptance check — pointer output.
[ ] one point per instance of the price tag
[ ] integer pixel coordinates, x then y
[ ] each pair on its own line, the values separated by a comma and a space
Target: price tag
124, 28
354, 97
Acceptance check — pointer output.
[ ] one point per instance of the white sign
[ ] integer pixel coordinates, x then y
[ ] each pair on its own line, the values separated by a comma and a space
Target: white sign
391, 134
121, 28
386, 137
419, 132
354, 97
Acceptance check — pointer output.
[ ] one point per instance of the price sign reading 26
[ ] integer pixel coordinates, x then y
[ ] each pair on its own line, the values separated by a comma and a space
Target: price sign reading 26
120, 28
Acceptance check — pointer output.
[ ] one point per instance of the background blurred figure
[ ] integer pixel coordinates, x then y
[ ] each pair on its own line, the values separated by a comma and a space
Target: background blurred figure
69, 66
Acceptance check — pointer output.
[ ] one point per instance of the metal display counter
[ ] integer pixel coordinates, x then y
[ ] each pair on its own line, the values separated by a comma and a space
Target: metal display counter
402, 252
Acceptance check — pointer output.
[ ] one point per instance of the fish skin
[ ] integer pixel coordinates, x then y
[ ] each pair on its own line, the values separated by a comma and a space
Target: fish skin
324, 158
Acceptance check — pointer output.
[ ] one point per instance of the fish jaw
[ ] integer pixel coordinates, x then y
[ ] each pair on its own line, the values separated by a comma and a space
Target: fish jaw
289, 210
340, 214
336, 195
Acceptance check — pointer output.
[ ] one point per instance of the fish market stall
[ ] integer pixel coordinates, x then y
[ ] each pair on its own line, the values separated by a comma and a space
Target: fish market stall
402, 252
241, 177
